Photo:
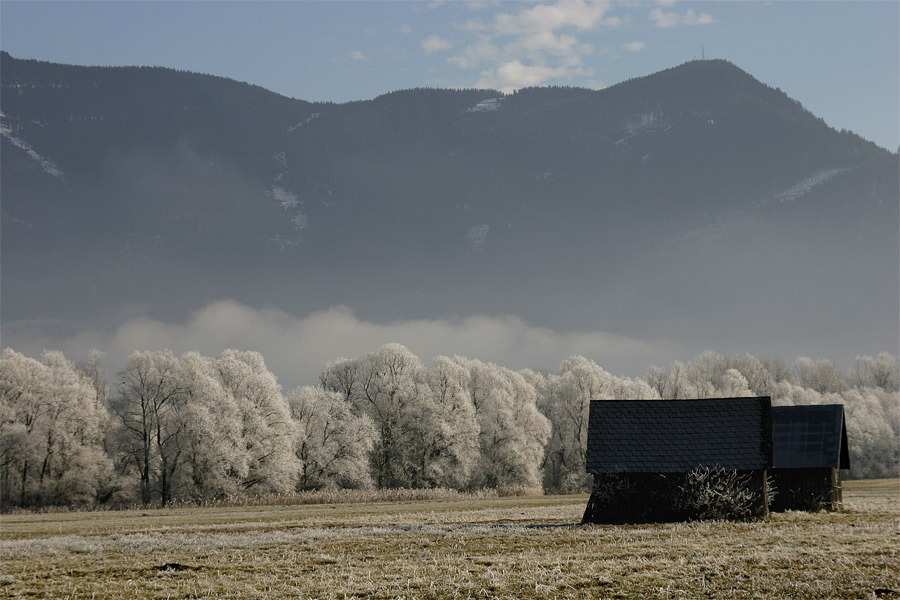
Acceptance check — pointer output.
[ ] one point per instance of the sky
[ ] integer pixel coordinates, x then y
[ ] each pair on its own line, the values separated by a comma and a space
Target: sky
840, 59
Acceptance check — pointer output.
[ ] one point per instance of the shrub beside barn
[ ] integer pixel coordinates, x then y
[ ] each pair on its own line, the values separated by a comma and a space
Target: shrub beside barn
676, 460
809, 451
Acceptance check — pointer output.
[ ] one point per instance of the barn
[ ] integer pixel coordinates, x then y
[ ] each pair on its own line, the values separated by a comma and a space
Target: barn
809, 449
676, 460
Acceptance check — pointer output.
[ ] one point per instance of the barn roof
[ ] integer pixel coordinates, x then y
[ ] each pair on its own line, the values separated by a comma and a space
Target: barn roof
809, 437
677, 436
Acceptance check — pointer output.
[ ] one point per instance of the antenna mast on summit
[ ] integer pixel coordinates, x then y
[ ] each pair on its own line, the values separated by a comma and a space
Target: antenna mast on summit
702, 53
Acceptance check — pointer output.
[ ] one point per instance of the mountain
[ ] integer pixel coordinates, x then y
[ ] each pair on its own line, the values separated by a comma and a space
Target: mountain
694, 203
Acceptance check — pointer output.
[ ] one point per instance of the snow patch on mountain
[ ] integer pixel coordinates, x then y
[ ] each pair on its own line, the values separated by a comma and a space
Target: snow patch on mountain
648, 122
489, 105
282, 243
312, 117
286, 199
300, 221
47, 165
804, 187
717, 230
289, 201
476, 237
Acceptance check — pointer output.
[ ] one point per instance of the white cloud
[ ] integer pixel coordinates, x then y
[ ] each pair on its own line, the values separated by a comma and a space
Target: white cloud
672, 19
357, 55
613, 21
405, 29
547, 40
664, 19
634, 46
533, 44
296, 348
435, 43
482, 51
472, 26
514, 75
550, 17
692, 18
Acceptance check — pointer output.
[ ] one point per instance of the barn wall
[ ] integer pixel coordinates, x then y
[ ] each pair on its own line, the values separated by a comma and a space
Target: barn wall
619, 498
807, 489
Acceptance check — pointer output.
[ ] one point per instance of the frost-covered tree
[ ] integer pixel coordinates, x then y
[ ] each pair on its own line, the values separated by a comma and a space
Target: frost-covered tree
92, 370
51, 429
342, 375
450, 446
713, 375
332, 443
426, 429
872, 432
391, 391
882, 371
216, 461
567, 405
673, 383
151, 423
513, 432
265, 424
819, 375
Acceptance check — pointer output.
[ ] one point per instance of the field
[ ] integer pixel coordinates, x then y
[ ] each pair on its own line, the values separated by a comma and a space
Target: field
517, 547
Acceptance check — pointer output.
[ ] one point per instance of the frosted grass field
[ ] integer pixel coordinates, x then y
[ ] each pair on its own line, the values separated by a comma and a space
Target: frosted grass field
512, 547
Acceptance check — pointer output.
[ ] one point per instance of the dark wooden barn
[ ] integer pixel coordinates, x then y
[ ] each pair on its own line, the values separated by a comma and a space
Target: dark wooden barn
809, 449
672, 460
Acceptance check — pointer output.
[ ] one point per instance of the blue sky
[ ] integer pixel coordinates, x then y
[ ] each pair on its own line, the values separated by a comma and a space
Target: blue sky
840, 59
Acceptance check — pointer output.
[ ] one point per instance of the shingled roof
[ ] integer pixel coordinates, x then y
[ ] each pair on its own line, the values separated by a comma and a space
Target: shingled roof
809, 437
677, 436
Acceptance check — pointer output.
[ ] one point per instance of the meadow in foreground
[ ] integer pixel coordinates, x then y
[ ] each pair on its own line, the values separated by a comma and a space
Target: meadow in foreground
514, 547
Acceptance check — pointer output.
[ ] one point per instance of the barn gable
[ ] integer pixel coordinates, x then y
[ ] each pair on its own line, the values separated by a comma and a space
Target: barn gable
809, 450
809, 437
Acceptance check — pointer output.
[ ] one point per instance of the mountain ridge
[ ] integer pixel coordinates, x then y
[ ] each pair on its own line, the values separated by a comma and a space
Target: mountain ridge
550, 203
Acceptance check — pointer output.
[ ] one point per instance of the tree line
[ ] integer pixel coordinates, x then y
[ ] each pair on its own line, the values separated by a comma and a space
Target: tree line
197, 428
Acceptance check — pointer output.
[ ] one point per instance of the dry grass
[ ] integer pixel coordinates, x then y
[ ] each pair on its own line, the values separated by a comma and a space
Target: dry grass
523, 547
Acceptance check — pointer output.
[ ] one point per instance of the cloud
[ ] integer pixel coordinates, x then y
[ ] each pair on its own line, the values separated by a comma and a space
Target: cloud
482, 51
514, 75
405, 28
692, 18
357, 55
546, 40
296, 348
473, 26
533, 44
634, 46
550, 17
673, 19
435, 43
664, 19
